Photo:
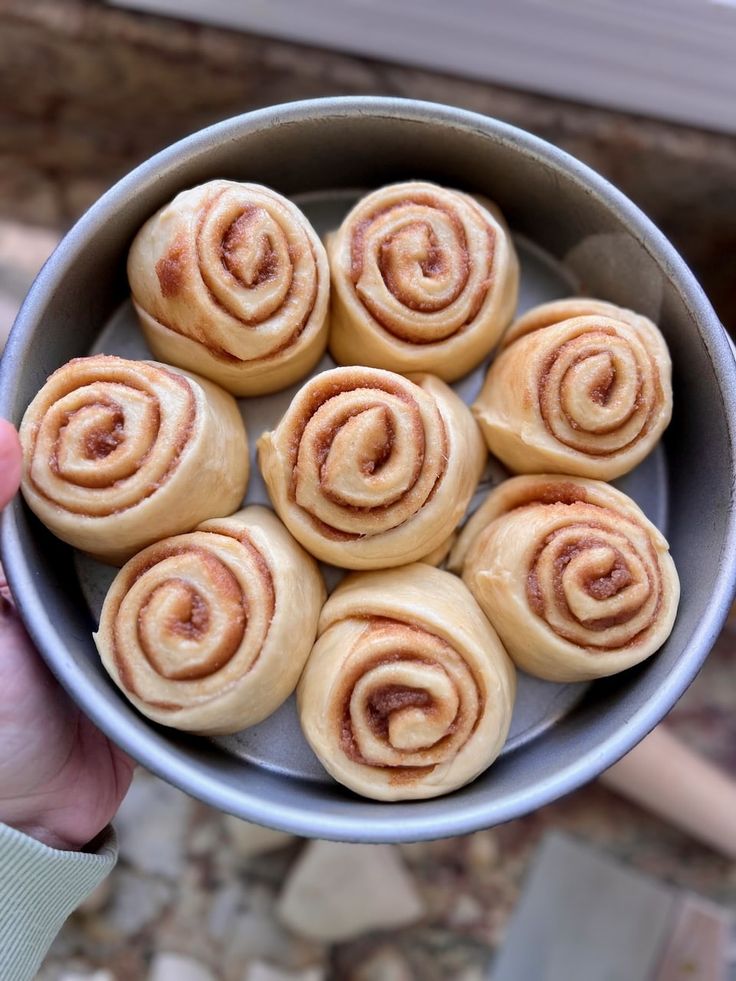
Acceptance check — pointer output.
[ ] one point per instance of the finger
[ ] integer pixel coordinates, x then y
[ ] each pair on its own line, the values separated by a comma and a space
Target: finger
10, 462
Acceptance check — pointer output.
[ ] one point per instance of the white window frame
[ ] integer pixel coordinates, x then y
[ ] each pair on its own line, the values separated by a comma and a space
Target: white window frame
673, 59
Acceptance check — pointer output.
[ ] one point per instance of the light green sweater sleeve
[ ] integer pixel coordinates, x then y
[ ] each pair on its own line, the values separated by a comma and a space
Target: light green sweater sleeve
39, 888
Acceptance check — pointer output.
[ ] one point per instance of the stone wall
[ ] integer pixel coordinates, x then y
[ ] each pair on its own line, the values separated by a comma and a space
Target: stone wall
89, 91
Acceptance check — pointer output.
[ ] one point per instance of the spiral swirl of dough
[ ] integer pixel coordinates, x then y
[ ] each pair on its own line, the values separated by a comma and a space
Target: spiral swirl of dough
424, 279
580, 387
368, 469
408, 692
230, 280
112, 449
209, 631
576, 580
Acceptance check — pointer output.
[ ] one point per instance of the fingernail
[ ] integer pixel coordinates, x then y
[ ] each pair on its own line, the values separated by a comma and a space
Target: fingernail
7, 606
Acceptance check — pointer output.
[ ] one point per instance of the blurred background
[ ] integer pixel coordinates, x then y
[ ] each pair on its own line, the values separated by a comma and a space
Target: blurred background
645, 92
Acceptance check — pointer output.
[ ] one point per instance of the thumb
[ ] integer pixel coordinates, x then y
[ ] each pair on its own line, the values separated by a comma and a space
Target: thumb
10, 462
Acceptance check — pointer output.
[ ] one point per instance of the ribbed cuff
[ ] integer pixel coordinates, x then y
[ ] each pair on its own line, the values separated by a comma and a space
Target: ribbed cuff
39, 888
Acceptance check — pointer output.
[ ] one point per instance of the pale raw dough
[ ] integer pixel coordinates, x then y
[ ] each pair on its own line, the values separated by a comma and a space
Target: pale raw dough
231, 281
580, 387
576, 580
119, 454
208, 632
408, 692
424, 278
369, 469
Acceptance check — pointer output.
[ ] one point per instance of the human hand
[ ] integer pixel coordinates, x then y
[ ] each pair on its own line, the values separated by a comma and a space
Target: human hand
61, 779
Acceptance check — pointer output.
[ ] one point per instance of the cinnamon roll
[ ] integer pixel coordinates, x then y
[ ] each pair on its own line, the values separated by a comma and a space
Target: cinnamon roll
576, 580
118, 454
368, 469
424, 279
208, 632
580, 387
231, 281
408, 692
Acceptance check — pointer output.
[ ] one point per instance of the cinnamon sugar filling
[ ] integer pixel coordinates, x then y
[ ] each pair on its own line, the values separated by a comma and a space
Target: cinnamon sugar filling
434, 264
101, 444
600, 394
193, 617
387, 699
318, 398
600, 587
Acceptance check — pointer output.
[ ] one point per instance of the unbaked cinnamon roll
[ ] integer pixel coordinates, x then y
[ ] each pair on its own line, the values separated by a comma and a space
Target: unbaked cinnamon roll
208, 632
580, 387
576, 580
408, 692
424, 279
118, 454
368, 469
231, 281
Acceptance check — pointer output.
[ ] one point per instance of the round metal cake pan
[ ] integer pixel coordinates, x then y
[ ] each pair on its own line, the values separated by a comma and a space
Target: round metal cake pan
590, 230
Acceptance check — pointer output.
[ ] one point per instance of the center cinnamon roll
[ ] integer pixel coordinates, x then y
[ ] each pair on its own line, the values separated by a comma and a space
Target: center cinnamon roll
370, 469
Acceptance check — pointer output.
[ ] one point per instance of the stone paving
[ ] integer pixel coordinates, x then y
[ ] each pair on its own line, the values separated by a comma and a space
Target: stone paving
224, 903
199, 896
